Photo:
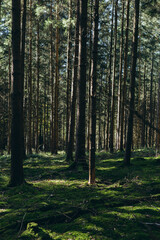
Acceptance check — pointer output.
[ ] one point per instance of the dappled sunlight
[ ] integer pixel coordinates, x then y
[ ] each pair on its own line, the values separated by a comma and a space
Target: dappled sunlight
62, 205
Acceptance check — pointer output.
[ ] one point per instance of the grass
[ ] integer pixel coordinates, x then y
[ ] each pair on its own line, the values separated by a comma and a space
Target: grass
57, 203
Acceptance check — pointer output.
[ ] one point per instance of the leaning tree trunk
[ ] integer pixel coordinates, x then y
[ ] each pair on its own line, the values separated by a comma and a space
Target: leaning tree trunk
17, 176
81, 106
132, 84
92, 145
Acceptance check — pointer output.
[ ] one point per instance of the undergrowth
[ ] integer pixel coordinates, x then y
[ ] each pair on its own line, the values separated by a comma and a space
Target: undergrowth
57, 202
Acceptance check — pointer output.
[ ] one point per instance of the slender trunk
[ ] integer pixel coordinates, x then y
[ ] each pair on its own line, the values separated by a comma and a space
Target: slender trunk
23, 35
109, 81
112, 125
89, 74
17, 176
81, 106
143, 134
55, 140
120, 81
9, 103
92, 144
74, 91
37, 100
30, 80
51, 78
151, 104
69, 72
125, 74
44, 117
132, 84
158, 118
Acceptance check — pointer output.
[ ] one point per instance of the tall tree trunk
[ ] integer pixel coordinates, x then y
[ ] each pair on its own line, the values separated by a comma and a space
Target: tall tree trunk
81, 106
55, 140
109, 81
23, 35
17, 176
51, 77
120, 81
74, 91
151, 104
132, 84
143, 132
30, 80
69, 72
9, 103
158, 118
125, 74
112, 123
37, 95
92, 144
89, 73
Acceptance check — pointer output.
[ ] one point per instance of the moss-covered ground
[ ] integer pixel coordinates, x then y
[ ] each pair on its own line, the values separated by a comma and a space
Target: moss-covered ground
57, 202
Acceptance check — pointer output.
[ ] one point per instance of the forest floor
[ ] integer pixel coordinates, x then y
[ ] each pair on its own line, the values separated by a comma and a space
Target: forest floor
57, 203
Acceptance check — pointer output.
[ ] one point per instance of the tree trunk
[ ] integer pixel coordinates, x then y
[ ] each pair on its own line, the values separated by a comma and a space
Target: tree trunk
55, 139
120, 81
74, 91
81, 106
9, 103
158, 119
125, 74
30, 81
69, 72
109, 82
143, 133
23, 35
92, 146
89, 74
132, 84
17, 176
112, 125
37, 102
151, 104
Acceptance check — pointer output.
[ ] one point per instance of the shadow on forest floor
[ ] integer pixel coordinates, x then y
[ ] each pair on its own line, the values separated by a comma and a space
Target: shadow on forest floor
57, 203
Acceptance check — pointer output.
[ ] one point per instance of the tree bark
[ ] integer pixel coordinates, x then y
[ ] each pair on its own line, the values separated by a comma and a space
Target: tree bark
125, 74
17, 176
74, 91
29, 145
9, 103
109, 81
92, 145
37, 95
69, 72
55, 139
120, 82
132, 84
81, 106
112, 123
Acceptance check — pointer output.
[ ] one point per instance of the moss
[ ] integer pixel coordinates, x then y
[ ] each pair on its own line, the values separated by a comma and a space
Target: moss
57, 202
